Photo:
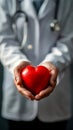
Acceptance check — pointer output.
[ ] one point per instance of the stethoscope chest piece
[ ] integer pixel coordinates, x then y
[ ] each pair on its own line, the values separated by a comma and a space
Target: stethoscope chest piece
55, 25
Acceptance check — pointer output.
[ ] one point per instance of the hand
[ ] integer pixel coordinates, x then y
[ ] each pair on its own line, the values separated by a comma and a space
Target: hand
53, 80
18, 81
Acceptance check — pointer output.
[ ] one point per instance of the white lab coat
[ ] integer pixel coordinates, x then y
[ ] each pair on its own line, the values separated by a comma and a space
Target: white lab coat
29, 38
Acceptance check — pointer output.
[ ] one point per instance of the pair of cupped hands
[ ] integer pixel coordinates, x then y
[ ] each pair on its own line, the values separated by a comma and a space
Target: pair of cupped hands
43, 93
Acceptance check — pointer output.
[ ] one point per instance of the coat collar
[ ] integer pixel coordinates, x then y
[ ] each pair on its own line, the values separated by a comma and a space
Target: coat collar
29, 9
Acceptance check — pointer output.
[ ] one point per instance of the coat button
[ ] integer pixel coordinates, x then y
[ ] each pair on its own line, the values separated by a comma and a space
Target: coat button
29, 46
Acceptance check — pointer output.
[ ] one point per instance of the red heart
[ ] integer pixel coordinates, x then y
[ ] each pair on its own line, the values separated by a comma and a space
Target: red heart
35, 79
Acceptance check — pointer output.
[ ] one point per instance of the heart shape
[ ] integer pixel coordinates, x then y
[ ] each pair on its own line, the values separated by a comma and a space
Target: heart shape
36, 78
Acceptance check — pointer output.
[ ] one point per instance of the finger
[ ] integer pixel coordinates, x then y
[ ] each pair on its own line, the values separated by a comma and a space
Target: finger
44, 93
22, 90
54, 75
25, 92
17, 76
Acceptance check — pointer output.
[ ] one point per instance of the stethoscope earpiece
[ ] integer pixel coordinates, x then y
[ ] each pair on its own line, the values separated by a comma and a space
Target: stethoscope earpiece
55, 25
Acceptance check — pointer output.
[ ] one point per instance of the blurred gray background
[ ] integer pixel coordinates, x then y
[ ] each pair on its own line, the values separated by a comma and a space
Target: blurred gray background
3, 123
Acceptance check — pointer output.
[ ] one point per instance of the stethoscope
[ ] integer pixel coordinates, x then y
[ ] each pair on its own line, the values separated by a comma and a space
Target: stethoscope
54, 25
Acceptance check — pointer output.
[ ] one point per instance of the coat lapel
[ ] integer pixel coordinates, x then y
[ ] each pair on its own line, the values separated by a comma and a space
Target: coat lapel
46, 8
29, 9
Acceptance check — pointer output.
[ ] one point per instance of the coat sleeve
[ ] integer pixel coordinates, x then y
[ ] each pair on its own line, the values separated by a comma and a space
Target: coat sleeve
10, 52
62, 53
